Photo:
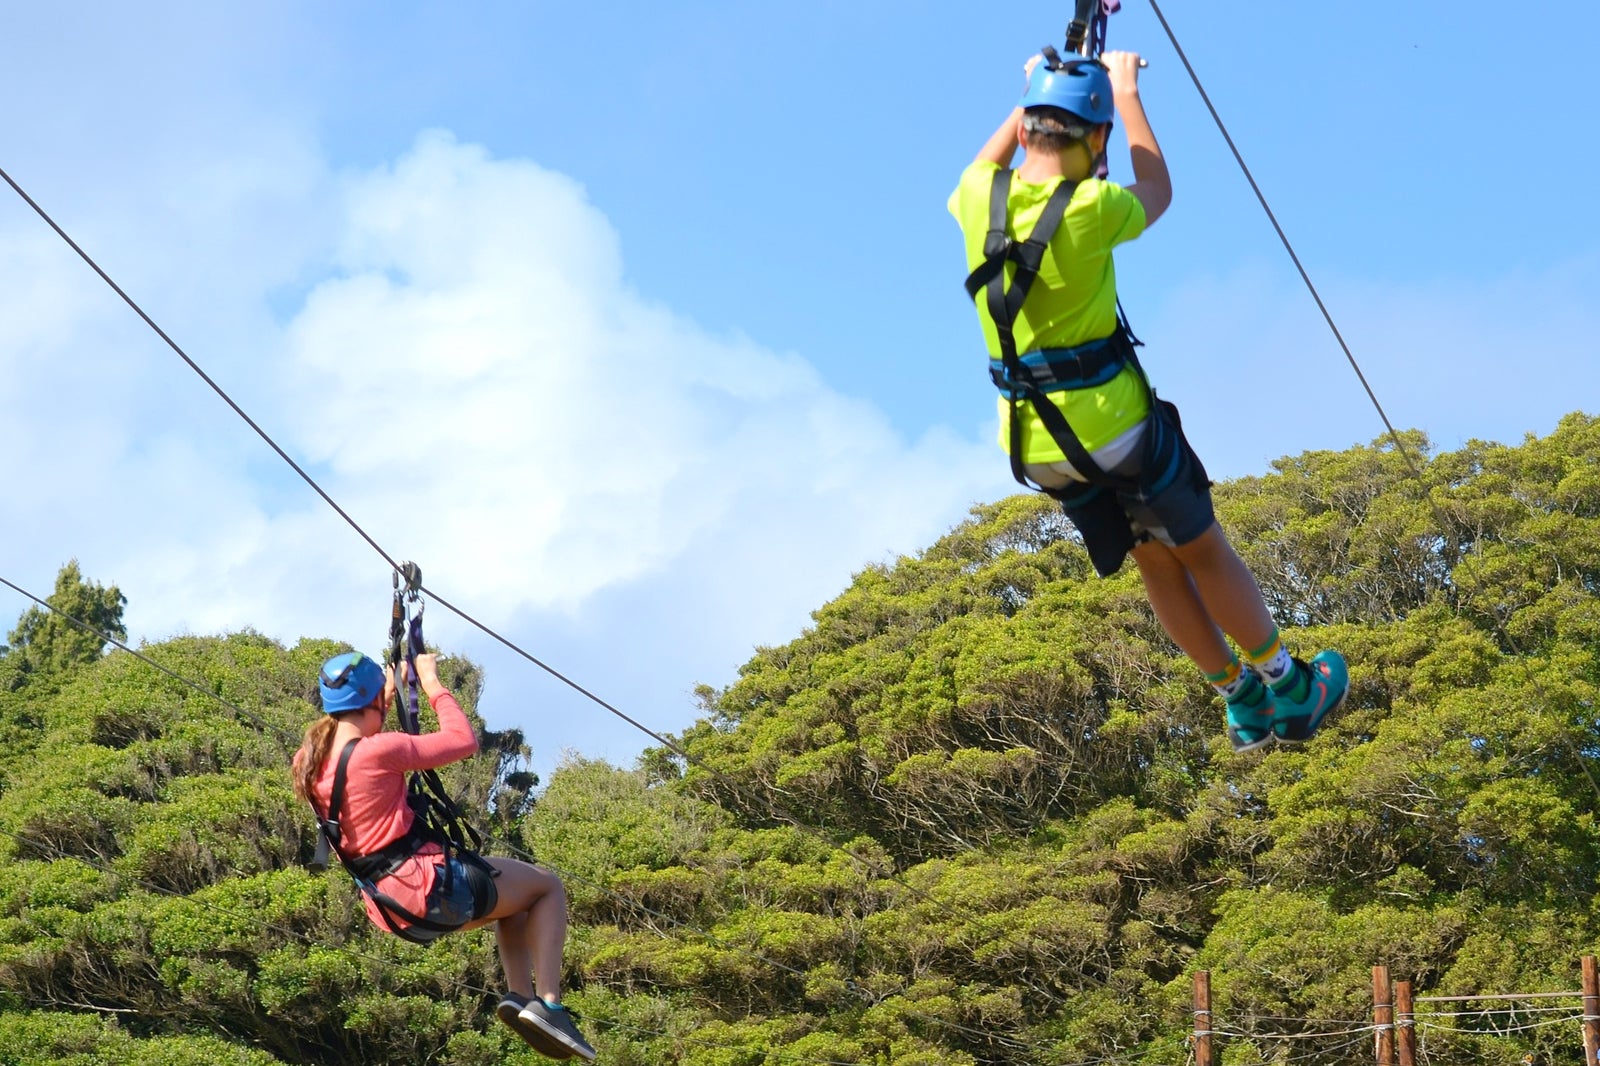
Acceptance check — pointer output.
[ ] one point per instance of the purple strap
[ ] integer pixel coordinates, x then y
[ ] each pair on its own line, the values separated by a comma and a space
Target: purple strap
414, 647
1097, 26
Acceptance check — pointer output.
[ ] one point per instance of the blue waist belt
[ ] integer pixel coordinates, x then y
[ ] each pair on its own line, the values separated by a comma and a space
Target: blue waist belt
1054, 369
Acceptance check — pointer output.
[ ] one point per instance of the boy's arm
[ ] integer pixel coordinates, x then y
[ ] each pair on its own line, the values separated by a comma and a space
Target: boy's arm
1002, 144
1151, 182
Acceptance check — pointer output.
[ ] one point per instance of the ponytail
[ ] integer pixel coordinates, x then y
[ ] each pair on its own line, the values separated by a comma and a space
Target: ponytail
313, 753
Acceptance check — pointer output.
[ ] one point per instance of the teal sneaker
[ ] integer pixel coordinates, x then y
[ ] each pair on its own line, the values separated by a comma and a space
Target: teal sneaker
1296, 722
1250, 727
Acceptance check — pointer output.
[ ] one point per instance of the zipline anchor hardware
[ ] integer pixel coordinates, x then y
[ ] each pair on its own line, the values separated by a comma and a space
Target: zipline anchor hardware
1086, 33
405, 640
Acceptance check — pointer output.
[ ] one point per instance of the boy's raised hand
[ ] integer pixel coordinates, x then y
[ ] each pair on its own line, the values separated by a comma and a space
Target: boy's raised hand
1124, 68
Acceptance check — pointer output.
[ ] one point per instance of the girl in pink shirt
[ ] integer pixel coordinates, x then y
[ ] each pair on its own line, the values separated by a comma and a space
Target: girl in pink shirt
374, 831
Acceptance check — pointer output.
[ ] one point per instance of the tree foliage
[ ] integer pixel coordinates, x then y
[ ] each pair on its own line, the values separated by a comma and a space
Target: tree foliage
44, 641
981, 811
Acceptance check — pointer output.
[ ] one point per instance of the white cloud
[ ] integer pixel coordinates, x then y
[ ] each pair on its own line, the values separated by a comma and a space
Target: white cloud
565, 434
477, 384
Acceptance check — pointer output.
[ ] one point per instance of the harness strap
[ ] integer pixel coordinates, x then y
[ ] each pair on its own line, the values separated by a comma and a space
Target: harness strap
425, 792
405, 715
1053, 369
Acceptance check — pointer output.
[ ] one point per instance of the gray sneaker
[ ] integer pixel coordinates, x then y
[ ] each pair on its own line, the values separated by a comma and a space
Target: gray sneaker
558, 1023
509, 1010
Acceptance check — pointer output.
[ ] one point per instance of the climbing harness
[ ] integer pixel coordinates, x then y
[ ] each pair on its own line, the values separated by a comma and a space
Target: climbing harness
436, 818
1031, 376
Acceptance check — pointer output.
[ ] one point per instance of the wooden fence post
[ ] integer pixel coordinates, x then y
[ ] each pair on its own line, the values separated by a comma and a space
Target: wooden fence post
1383, 1015
1405, 1023
1202, 1018
1591, 1011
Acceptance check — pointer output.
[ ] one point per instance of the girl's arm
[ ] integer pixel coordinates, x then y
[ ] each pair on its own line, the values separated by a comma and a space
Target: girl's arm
454, 741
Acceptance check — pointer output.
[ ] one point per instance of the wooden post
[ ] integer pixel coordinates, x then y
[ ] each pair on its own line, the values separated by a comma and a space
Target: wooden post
1202, 1019
1405, 1023
1383, 1015
1591, 1011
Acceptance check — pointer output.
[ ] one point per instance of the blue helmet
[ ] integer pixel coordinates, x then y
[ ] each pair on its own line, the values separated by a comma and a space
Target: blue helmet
1077, 84
349, 682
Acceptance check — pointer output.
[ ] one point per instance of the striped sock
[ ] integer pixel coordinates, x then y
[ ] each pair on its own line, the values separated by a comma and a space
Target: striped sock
1235, 684
1278, 669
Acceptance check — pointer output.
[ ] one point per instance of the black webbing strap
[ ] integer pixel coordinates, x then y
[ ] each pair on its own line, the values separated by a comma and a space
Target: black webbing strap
336, 800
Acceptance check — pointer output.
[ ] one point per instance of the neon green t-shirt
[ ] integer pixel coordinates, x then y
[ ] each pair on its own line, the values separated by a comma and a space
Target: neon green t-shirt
1072, 301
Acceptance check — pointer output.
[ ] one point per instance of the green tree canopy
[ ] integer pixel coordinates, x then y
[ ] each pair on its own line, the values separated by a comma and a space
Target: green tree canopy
980, 812
44, 641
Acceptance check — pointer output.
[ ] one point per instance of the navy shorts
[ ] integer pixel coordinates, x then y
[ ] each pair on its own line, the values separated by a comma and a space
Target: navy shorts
1113, 521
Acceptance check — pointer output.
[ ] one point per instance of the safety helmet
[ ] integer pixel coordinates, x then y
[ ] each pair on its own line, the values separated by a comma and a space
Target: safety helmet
349, 682
1077, 84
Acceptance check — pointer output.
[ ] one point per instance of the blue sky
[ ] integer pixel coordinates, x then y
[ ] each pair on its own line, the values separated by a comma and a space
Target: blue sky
640, 325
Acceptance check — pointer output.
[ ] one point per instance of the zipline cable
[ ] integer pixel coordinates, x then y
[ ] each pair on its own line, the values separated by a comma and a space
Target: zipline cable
563, 678
777, 810
1288, 246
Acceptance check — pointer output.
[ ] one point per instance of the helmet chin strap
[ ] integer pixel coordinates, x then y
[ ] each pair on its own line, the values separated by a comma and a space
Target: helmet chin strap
1097, 157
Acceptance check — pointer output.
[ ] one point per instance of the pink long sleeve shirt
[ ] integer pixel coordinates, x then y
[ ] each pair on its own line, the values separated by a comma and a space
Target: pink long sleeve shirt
375, 810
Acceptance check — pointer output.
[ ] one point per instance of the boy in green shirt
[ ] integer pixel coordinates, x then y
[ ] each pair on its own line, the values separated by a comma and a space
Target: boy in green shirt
1077, 415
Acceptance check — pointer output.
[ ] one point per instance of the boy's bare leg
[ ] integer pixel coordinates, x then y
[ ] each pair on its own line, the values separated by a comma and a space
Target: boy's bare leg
1226, 587
1179, 608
